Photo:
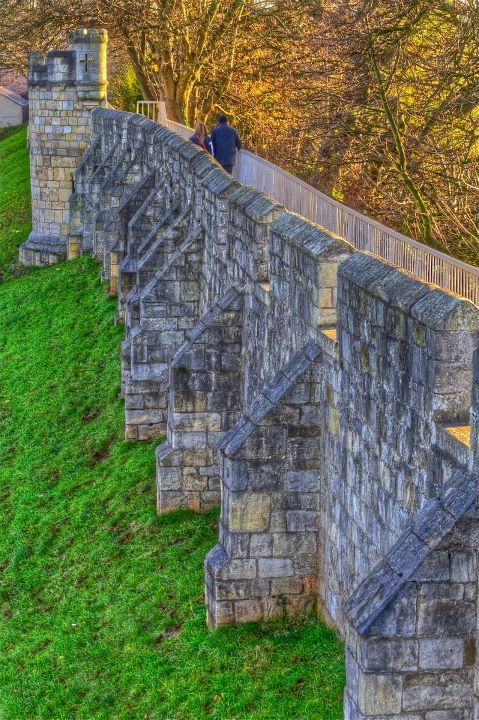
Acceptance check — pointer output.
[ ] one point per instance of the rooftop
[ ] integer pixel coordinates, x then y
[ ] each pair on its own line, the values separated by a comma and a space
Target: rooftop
13, 96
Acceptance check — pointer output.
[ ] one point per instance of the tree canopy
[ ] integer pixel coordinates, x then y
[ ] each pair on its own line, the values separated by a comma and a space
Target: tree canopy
372, 101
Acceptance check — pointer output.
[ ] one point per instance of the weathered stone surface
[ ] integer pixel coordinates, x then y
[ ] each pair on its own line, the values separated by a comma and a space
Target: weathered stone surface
380, 694
275, 568
426, 690
249, 512
442, 653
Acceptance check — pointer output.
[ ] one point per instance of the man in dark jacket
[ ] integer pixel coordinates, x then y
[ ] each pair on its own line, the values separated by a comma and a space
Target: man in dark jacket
225, 142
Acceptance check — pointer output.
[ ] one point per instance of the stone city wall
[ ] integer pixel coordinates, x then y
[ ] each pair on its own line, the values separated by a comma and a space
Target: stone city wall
320, 395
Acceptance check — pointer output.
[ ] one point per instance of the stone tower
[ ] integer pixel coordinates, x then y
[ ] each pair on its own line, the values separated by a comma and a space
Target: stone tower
64, 86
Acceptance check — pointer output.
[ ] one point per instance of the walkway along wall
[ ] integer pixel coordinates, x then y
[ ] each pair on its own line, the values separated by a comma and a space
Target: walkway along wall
322, 396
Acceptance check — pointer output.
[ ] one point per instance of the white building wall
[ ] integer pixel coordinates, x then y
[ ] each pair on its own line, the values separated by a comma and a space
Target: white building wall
10, 112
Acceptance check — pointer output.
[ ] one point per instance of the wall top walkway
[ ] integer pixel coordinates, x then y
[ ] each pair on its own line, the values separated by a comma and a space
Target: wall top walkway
362, 232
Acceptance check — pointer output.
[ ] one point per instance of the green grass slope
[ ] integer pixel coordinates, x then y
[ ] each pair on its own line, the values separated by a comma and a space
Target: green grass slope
15, 222
101, 601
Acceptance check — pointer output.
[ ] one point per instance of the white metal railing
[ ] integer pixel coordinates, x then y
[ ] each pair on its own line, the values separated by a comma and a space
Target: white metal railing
362, 232
152, 109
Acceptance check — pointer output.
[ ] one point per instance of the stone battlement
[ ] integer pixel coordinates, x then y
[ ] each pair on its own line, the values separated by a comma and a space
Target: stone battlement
84, 63
326, 399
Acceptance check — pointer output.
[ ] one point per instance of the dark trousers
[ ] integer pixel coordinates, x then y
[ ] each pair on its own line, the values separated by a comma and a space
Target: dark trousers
228, 168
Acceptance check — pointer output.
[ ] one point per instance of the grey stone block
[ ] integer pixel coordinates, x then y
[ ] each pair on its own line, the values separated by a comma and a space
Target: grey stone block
399, 618
261, 544
436, 567
302, 520
445, 617
386, 655
302, 480
463, 566
432, 523
287, 586
275, 567
447, 715
380, 694
459, 496
406, 555
239, 569
216, 559
441, 653
293, 544
427, 691
169, 478
372, 597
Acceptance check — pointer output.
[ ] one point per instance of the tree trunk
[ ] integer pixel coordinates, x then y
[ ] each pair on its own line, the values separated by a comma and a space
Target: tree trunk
401, 161
144, 85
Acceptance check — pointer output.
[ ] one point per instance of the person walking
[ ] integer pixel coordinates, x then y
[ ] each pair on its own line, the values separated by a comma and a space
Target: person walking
201, 137
226, 142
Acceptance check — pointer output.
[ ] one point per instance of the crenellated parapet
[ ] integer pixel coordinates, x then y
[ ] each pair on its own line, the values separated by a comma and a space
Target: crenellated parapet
325, 399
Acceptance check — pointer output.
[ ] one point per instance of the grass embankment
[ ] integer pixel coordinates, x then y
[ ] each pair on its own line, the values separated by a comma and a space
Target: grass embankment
101, 601
15, 217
